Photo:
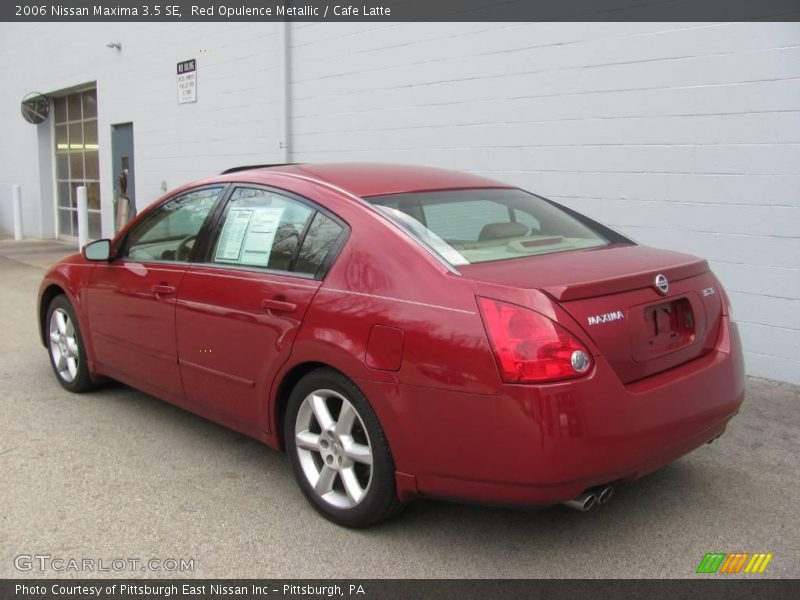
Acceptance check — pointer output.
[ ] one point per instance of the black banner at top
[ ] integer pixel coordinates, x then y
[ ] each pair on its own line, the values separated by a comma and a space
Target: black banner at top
398, 10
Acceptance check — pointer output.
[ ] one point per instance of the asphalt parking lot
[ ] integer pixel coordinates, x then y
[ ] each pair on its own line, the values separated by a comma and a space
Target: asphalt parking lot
119, 474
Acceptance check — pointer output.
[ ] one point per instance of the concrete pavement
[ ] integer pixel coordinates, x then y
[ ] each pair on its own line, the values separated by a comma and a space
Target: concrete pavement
118, 474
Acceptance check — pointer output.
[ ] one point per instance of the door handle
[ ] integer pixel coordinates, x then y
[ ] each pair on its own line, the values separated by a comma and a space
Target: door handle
161, 289
278, 305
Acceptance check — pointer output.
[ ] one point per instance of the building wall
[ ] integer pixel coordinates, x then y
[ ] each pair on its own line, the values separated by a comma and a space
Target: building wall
233, 122
684, 136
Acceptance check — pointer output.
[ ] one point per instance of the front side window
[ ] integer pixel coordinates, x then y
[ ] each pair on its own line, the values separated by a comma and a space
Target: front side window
169, 233
480, 225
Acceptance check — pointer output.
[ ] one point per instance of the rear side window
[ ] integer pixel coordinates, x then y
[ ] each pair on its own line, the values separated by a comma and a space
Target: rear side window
481, 225
320, 241
264, 229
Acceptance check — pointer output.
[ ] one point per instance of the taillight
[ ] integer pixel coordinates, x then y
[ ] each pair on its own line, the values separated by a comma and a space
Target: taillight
727, 307
529, 347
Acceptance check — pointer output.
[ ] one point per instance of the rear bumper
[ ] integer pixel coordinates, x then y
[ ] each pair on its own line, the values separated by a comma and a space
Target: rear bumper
545, 444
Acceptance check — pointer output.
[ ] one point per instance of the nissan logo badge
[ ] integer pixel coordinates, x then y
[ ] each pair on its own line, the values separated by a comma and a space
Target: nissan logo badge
662, 285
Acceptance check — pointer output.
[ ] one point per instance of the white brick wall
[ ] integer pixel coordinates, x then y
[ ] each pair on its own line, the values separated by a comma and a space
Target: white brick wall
684, 136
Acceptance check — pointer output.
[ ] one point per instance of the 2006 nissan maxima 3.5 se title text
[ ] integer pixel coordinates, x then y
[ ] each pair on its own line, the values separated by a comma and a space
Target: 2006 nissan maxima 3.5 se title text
405, 331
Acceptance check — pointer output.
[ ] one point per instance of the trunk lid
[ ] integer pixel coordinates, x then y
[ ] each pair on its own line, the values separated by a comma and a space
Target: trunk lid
611, 294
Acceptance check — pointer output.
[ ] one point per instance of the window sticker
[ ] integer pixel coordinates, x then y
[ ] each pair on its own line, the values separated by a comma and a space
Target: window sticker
248, 235
229, 248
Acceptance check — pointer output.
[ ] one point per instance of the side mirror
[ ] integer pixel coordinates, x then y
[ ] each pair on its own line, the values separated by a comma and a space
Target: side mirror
99, 250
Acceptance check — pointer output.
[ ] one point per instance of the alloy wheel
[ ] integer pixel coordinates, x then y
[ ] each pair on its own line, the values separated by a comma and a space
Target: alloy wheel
333, 448
64, 345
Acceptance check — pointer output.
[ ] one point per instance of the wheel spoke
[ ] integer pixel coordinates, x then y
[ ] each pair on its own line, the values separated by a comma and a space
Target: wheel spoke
60, 322
322, 413
351, 485
359, 453
307, 440
347, 416
63, 347
324, 484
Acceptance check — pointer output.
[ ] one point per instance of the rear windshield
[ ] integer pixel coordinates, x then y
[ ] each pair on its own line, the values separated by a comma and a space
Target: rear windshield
480, 225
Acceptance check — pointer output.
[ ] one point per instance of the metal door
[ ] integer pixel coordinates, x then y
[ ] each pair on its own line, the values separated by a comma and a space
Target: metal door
123, 163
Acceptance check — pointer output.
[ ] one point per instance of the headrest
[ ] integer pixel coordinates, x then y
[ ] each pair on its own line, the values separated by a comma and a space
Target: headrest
499, 231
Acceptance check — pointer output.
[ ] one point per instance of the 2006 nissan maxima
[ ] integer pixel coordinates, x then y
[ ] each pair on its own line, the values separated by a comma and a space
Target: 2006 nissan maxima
403, 332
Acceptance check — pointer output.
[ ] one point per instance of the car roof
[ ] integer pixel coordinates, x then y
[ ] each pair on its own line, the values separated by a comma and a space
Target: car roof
377, 179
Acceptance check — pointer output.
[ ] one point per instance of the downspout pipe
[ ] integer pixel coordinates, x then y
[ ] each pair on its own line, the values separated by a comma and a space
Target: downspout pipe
284, 98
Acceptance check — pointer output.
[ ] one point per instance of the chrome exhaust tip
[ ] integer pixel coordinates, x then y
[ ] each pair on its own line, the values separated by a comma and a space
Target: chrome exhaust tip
583, 503
604, 495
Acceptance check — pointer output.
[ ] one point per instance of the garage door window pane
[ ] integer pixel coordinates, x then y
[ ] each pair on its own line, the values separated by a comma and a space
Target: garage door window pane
93, 195
63, 195
76, 165
89, 104
94, 225
62, 165
60, 110
90, 134
61, 138
65, 222
75, 136
74, 107
92, 164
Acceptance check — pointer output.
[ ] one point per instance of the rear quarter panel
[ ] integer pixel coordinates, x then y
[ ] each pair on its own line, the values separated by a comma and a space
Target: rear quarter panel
383, 278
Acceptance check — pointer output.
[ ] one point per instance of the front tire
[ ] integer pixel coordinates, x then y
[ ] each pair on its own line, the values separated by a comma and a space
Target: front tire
65, 347
338, 451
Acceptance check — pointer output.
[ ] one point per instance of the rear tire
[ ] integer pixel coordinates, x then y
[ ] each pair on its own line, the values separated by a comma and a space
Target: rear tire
65, 347
338, 451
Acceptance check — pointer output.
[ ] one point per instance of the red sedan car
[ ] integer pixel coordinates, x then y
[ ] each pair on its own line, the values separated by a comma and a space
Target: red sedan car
405, 331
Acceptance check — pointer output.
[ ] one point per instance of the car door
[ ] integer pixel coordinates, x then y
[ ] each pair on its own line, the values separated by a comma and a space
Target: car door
239, 311
131, 299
